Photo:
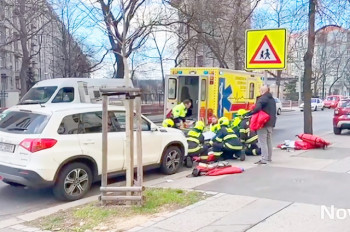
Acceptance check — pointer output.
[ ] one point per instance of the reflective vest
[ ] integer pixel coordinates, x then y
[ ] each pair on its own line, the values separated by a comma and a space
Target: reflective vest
179, 111
247, 136
228, 138
195, 141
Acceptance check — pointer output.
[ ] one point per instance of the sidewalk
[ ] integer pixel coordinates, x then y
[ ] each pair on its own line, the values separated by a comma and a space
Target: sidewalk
285, 195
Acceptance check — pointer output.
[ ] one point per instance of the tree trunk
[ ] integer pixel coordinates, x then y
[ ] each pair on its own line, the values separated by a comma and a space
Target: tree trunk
308, 68
25, 53
278, 82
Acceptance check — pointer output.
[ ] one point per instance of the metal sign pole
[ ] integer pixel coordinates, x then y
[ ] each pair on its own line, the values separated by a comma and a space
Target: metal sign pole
104, 145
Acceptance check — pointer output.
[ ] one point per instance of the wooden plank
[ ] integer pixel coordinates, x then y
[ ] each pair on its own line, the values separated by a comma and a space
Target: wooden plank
122, 189
129, 154
139, 142
104, 142
121, 198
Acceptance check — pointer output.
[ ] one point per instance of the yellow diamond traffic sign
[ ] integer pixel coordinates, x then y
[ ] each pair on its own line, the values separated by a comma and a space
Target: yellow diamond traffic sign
266, 49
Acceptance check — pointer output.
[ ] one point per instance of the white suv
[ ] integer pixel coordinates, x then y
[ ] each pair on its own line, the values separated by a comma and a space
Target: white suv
61, 146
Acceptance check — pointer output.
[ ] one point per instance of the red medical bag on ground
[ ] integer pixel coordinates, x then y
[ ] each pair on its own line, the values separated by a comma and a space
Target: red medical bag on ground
315, 141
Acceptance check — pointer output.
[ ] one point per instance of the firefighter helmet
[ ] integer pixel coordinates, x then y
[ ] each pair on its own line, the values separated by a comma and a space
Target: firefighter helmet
241, 112
168, 123
199, 125
223, 121
215, 128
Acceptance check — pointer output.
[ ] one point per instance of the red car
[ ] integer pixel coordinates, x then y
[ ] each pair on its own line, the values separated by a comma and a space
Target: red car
341, 119
332, 101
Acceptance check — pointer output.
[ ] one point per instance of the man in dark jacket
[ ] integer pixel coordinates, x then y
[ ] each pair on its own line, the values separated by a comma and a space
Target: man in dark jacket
267, 104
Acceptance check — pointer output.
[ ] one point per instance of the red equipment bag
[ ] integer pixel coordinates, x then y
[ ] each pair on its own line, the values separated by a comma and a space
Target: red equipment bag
302, 145
258, 120
316, 141
224, 170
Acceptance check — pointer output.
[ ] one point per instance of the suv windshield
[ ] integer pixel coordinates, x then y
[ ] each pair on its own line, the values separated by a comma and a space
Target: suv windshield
38, 95
313, 100
19, 122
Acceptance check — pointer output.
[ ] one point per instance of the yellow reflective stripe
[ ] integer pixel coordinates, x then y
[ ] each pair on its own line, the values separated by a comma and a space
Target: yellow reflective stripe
229, 130
194, 149
233, 147
255, 152
193, 140
218, 139
194, 134
252, 139
218, 153
232, 136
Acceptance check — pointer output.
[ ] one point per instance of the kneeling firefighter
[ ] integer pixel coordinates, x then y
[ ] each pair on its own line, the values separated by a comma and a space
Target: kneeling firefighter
226, 143
196, 146
248, 138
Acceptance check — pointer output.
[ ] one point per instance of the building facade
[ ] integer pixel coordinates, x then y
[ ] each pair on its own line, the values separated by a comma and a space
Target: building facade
331, 61
45, 46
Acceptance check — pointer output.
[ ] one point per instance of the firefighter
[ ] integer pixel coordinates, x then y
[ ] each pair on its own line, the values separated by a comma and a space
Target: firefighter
196, 146
248, 138
179, 113
226, 143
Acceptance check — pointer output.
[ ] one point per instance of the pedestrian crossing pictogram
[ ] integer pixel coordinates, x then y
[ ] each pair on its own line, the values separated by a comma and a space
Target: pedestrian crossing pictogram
266, 49
265, 54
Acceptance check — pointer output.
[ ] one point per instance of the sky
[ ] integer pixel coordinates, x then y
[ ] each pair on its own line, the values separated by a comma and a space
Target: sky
146, 58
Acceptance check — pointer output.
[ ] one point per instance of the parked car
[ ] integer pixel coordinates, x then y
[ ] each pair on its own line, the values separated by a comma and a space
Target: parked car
332, 101
341, 119
61, 147
278, 106
316, 104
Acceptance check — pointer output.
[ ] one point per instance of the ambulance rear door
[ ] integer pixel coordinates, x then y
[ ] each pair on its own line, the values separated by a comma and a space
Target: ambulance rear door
171, 94
203, 99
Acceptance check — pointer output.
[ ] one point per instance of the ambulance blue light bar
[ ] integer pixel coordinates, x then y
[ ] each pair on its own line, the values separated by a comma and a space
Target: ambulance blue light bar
179, 72
206, 72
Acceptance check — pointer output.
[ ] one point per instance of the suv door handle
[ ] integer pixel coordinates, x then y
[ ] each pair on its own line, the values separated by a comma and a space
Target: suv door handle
89, 142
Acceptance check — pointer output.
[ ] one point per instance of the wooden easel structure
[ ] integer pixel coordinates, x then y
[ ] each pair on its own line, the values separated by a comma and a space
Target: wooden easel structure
133, 190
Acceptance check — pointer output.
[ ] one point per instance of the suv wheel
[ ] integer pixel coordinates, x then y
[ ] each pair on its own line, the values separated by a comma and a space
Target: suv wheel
336, 130
73, 182
171, 160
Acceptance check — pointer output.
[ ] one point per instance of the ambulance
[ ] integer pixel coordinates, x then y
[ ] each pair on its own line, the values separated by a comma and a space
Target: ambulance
213, 91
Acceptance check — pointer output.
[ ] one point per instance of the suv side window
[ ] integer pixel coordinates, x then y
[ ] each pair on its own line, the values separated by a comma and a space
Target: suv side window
65, 94
92, 122
70, 124
120, 116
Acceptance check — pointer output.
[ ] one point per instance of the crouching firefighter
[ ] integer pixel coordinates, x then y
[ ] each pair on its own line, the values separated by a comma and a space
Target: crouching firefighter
226, 143
196, 148
179, 113
248, 138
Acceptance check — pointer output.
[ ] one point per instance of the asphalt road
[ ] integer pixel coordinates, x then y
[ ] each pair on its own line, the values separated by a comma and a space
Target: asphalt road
14, 201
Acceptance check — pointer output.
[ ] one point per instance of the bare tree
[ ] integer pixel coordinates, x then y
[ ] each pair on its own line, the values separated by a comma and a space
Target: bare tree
218, 29
128, 24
